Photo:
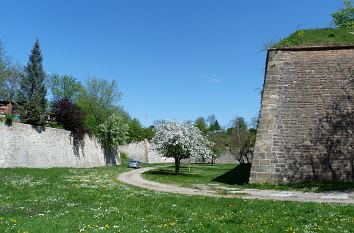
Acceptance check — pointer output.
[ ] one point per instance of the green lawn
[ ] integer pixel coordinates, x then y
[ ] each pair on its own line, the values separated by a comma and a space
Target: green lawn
232, 175
90, 200
316, 37
198, 174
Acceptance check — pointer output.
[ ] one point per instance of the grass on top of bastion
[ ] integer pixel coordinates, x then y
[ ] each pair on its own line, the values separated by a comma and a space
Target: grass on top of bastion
91, 200
318, 37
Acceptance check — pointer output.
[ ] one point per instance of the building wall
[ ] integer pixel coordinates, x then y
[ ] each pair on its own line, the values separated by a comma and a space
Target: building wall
23, 145
306, 121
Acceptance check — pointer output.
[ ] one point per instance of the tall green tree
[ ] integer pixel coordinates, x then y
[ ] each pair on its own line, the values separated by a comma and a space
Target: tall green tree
9, 76
3, 67
240, 144
64, 87
344, 18
214, 126
201, 124
32, 93
220, 138
99, 101
136, 131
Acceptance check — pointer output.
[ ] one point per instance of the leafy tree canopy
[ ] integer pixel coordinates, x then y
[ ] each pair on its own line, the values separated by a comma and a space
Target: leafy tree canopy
64, 87
10, 74
214, 126
200, 123
70, 116
99, 101
344, 18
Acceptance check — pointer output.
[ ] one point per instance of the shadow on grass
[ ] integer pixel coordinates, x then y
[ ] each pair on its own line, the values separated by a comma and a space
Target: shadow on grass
166, 173
240, 175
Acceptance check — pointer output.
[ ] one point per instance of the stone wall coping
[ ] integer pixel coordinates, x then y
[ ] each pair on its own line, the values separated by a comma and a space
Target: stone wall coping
313, 48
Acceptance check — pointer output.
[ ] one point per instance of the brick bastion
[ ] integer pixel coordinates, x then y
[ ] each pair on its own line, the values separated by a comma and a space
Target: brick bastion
306, 126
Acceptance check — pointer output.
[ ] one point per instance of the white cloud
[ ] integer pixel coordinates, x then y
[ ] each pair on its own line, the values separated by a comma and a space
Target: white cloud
210, 78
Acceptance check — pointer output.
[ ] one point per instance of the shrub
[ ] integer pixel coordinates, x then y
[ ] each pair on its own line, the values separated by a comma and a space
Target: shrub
123, 155
9, 119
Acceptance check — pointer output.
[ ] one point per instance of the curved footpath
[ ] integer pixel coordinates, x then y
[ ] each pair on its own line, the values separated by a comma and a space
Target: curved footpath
135, 177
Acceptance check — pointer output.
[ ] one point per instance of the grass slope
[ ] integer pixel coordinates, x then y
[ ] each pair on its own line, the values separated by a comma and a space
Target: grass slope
318, 37
90, 200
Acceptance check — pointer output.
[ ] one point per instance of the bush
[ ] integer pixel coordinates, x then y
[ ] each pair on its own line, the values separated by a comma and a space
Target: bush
9, 119
123, 155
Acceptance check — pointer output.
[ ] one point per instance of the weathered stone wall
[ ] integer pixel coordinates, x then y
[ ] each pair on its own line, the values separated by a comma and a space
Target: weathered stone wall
143, 152
23, 145
306, 121
226, 158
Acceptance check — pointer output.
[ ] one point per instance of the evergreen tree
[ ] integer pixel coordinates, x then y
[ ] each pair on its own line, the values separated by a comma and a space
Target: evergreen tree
31, 97
214, 126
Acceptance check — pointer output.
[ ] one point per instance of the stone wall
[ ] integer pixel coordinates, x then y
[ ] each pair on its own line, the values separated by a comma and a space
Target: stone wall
142, 151
307, 118
23, 145
226, 158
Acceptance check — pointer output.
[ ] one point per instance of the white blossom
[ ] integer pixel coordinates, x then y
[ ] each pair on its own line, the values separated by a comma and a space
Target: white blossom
114, 131
183, 140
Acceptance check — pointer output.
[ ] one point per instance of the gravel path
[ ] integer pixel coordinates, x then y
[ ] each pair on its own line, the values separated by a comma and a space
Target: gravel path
135, 178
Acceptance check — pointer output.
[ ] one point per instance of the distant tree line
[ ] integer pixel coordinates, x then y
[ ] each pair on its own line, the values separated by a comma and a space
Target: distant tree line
62, 101
237, 139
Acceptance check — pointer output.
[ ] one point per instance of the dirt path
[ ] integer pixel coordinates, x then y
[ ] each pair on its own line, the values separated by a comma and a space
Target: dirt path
135, 178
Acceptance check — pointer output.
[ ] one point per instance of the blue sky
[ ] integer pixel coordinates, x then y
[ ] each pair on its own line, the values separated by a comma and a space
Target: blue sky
172, 59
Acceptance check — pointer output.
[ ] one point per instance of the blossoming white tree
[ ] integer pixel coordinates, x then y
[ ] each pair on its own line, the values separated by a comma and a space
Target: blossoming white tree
113, 132
180, 141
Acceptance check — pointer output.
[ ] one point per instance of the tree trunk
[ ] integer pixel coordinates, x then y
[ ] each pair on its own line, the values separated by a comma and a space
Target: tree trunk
177, 165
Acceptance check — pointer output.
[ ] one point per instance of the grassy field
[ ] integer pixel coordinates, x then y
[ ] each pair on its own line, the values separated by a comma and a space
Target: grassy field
316, 37
233, 176
91, 200
198, 174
